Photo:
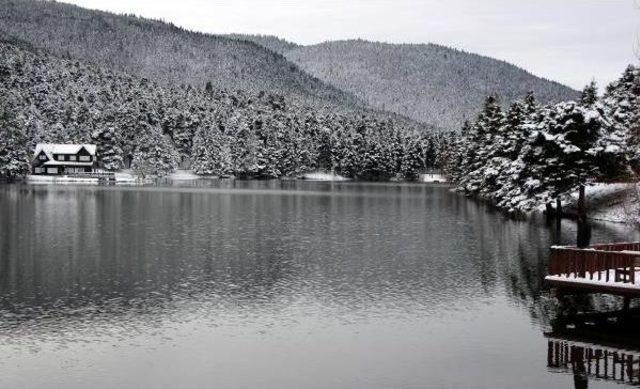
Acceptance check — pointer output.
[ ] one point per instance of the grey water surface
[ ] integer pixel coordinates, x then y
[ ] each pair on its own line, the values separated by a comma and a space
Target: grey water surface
273, 284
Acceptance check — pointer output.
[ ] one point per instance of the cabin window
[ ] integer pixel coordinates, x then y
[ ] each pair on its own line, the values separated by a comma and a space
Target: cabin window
52, 170
38, 170
60, 157
72, 158
85, 158
43, 157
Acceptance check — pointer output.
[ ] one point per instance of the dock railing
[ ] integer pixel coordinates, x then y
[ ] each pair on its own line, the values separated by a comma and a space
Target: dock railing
615, 262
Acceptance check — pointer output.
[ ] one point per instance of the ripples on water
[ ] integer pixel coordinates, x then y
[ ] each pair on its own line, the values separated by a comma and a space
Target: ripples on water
270, 284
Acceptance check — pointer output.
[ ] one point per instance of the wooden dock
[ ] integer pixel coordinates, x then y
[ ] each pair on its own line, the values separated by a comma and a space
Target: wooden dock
611, 268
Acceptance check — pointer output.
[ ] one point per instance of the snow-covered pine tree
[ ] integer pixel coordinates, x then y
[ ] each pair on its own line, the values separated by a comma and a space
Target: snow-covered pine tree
520, 122
589, 95
109, 153
560, 155
483, 134
530, 103
211, 153
245, 147
14, 142
621, 106
268, 131
324, 151
418, 152
154, 154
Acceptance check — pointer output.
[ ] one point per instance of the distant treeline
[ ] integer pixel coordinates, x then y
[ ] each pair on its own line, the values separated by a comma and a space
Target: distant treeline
532, 154
154, 127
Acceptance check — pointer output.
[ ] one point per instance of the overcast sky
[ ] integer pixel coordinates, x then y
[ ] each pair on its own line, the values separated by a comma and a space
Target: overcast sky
571, 41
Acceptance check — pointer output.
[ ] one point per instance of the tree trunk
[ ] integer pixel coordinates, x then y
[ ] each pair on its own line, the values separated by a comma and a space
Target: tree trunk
584, 229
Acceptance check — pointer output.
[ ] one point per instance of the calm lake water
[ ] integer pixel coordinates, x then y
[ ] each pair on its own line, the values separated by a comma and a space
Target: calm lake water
273, 285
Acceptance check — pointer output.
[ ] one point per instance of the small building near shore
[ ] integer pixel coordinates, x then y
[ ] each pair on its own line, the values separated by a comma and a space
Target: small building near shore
432, 177
61, 159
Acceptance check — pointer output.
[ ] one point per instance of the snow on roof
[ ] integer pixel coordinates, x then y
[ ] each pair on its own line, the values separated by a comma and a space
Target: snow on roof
61, 148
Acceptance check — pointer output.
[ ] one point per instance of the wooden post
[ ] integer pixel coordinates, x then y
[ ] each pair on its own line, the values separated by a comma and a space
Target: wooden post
549, 214
580, 378
582, 204
584, 230
558, 208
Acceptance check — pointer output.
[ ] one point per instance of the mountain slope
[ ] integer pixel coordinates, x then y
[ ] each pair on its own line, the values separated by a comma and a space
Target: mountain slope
160, 51
273, 43
430, 83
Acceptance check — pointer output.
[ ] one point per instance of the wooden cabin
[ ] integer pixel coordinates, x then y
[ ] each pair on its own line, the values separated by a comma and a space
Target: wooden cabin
63, 159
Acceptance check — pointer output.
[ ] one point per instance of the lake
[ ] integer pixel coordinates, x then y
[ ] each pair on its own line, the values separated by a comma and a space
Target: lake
270, 284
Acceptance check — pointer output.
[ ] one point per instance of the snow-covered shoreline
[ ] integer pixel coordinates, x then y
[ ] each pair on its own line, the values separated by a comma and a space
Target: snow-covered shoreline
434, 178
608, 202
616, 202
184, 175
320, 176
44, 180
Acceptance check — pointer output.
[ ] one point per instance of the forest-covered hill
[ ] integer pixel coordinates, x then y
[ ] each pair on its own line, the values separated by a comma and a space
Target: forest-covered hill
154, 126
430, 83
161, 52
433, 84
271, 42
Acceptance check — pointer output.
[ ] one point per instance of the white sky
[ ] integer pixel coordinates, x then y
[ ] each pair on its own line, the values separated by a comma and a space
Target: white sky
571, 41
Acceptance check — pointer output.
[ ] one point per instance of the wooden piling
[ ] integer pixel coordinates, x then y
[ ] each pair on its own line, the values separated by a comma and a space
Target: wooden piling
582, 204
558, 208
584, 230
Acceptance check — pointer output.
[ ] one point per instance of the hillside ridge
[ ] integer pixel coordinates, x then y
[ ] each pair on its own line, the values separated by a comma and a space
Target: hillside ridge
161, 51
427, 82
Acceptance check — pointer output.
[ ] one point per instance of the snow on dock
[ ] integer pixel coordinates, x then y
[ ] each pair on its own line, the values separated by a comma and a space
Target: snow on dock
602, 268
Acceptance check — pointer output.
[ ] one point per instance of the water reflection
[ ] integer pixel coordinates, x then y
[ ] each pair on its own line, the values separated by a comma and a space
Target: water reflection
378, 265
596, 346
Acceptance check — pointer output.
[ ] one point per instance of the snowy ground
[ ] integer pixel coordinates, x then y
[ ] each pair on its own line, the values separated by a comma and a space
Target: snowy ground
61, 180
319, 176
183, 175
612, 202
125, 178
433, 178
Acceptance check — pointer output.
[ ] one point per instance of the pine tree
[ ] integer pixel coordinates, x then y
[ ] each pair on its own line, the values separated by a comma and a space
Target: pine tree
109, 153
211, 153
530, 103
589, 95
14, 143
418, 153
484, 132
154, 155
621, 106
